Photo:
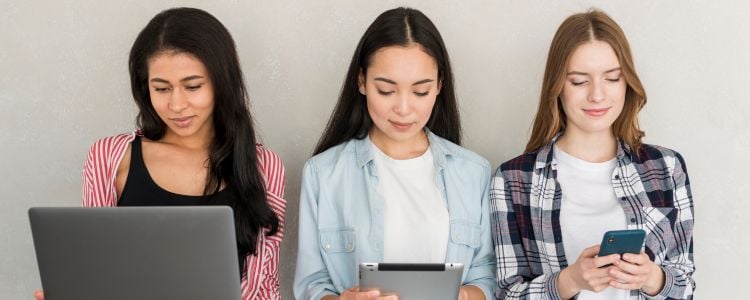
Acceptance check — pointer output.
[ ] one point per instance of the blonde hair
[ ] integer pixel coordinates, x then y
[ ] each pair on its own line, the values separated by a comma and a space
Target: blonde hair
573, 32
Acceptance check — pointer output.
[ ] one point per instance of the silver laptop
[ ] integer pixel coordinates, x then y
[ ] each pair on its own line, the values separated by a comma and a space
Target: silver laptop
136, 252
412, 281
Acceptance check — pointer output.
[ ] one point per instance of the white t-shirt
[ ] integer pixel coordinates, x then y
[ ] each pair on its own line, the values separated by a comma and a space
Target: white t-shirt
416, 218
589, 208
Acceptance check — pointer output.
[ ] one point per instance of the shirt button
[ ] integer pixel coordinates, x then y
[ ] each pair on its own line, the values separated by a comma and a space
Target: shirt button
617, 176
623, 198
328, 246
349, 247
632, 220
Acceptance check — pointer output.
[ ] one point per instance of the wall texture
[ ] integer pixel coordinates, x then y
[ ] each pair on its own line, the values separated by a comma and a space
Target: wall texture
64, 83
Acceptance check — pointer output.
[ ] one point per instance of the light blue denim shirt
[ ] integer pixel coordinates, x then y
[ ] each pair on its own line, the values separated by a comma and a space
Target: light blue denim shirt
341, 216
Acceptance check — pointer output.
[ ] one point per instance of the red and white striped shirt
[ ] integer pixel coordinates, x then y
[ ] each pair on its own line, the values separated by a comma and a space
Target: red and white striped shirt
262, 280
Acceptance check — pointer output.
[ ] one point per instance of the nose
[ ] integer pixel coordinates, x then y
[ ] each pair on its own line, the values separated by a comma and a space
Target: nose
597, 91
177, 101
401, 107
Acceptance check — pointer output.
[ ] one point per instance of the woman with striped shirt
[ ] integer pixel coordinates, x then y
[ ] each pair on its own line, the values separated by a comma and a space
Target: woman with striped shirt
196, 144
586, 171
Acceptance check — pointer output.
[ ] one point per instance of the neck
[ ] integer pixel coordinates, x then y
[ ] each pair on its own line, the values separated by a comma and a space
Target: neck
194, 142
411, 148
599, 147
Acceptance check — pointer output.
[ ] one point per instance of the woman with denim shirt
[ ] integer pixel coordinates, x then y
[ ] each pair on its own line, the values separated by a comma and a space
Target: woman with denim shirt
586, 171
389, 181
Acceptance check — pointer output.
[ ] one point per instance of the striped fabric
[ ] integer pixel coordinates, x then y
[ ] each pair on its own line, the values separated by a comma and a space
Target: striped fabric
652, 188
262, 280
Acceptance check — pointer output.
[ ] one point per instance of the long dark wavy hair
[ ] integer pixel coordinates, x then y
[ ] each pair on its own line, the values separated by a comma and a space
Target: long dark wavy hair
232, 156
396, 27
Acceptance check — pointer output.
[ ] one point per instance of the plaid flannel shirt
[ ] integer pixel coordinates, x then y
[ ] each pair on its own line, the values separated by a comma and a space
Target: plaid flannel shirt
653, 189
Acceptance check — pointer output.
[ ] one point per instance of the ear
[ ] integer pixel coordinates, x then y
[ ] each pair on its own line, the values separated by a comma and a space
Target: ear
439, 86
361, 83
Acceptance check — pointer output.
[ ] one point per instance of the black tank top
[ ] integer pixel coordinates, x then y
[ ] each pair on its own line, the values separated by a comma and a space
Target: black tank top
141, 190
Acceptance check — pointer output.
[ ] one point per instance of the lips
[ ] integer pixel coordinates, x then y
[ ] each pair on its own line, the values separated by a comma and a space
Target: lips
596, 112
182, 122
401, 126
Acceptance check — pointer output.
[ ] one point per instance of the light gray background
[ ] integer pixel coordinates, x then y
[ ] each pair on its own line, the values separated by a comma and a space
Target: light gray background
64, 83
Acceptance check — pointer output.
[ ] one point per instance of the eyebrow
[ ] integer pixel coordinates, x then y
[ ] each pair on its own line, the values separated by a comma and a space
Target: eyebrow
584, 73
393, 82
191, 77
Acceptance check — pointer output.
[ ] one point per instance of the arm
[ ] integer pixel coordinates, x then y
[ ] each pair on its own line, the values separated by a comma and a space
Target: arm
514, 277
274, 173
311, 278
677, 265
100, 171
481, 281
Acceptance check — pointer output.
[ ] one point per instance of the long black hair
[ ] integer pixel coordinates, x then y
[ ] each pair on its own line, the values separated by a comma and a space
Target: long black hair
232, 154
396, 27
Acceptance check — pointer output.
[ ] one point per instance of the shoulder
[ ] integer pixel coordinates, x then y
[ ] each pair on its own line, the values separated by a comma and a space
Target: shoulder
341, 153
524, 163
111, 147
269, 160
115, 140
655, 156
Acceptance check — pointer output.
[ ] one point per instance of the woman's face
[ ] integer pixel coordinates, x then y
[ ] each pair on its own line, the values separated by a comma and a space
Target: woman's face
401, 86
594, 91
182, 94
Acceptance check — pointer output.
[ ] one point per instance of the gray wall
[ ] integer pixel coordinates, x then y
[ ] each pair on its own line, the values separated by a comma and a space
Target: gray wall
64, 83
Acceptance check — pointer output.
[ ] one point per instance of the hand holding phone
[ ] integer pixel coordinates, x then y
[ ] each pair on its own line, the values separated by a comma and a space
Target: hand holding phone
622, 241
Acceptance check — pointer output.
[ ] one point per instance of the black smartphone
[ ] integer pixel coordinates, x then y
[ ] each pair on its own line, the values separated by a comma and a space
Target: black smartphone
622, 241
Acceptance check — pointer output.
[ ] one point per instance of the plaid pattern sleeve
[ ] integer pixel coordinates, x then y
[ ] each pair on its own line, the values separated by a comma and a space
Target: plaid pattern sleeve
651, 186
527, 262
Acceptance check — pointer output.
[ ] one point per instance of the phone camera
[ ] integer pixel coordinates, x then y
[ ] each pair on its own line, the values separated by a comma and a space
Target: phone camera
611, 240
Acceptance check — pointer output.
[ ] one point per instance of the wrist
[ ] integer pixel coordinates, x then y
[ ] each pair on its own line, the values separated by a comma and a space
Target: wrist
655, 283
566, 286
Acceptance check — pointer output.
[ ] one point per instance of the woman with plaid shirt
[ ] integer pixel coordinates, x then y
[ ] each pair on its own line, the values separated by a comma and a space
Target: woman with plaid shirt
585, 171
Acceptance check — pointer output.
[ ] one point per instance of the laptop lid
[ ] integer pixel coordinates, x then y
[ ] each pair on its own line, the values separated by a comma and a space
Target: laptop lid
412, 281
136, 252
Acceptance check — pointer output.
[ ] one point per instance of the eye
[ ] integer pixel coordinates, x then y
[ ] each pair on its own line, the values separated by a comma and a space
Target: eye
613, 79
578, 83
422, 94
161, 89
384, 93
193, 87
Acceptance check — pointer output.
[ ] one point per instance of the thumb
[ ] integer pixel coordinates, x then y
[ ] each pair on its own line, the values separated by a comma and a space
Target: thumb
590, 252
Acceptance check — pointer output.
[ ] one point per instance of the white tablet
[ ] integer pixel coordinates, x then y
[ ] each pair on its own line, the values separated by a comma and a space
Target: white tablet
412, 281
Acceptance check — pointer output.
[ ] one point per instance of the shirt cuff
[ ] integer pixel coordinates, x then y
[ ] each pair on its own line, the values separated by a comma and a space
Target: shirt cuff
552, 292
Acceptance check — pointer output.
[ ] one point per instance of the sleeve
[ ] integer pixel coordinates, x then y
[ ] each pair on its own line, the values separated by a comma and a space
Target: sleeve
482, 271
678, 263
514, 277
275, 182
268, 288
311, 279
99, 171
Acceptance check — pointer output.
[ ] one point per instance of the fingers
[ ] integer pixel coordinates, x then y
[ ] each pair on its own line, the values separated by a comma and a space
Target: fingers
637, 259
606, 260
355, 294
590, 252
39, 295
